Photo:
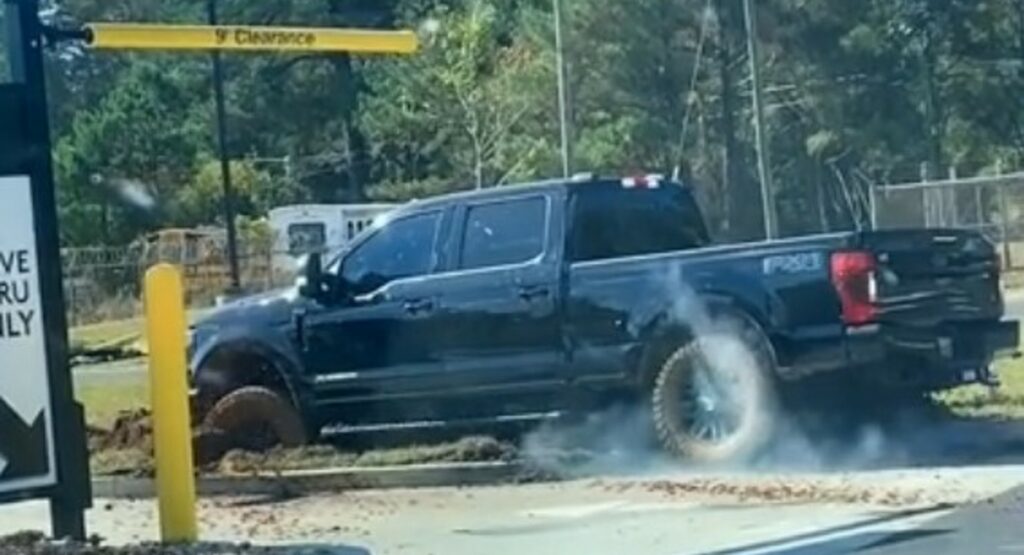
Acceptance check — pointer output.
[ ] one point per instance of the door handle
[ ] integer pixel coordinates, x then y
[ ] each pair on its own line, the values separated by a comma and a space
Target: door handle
416, 306
533, 292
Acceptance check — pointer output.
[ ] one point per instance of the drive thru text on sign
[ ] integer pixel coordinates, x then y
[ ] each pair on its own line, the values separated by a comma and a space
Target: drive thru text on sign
26, 434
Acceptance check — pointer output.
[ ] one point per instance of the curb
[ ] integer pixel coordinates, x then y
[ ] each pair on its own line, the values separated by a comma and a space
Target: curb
301, 482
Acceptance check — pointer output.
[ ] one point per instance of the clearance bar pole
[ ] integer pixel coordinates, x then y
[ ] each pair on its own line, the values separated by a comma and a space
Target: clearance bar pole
172, 432
228, 202
145, 36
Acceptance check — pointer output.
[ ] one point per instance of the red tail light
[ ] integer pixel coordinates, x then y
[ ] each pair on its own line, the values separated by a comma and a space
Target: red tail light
853, 275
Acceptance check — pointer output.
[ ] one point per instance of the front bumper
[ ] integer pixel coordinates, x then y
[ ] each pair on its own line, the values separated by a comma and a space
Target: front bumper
934, 358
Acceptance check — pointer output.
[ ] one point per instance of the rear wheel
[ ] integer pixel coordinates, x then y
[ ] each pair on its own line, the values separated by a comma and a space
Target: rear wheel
713, 399
256, 418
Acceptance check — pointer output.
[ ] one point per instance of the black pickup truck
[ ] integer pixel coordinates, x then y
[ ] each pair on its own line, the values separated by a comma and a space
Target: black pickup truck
570, 295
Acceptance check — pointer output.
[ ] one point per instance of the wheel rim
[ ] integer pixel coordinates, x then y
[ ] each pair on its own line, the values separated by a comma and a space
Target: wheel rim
710, 407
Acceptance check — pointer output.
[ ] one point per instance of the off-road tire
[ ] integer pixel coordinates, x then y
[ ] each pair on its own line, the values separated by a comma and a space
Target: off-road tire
758, 408
209, 445
245, 412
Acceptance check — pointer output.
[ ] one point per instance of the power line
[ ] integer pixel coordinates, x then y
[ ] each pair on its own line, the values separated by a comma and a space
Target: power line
763, 169
563, 116
693, 86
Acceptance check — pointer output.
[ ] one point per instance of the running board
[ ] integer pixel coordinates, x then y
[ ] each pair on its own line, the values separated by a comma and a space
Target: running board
509, 419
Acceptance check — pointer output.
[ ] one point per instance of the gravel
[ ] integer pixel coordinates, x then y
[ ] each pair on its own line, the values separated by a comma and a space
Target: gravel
34, 543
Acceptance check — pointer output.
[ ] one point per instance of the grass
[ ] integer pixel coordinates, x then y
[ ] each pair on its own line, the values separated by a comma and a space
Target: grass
104, 400
115, 333
1005, 402
1013, 280
105, 333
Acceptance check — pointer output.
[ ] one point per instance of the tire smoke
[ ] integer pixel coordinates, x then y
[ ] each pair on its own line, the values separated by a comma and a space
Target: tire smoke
620, 440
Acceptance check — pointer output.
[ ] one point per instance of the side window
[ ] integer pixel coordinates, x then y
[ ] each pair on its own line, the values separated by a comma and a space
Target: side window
504, 232
5, 74
611, 221
306, 238
403, 248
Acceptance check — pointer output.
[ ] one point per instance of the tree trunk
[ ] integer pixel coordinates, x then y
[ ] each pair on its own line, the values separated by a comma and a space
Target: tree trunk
820, 193
932, 111
357, 169
478, 163
737, 216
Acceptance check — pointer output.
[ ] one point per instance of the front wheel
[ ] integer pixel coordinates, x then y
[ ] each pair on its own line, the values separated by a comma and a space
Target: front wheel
713, 399
257, 418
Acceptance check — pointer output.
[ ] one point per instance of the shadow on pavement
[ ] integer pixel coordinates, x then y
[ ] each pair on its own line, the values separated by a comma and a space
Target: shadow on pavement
860, 542
993, 526
311, 549
846, 538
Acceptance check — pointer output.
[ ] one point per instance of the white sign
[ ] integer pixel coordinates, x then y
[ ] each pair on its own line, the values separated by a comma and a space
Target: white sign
27, 458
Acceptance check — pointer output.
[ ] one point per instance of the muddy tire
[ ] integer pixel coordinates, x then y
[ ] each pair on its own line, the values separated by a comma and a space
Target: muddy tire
713, 398
209, 445
257, 418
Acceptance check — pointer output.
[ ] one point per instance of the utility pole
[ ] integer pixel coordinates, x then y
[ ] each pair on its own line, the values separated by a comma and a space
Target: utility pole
763, 163
733, 180
225, 162
563, 100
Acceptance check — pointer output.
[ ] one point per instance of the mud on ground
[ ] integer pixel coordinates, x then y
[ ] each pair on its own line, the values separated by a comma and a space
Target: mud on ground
127, 449
34, 543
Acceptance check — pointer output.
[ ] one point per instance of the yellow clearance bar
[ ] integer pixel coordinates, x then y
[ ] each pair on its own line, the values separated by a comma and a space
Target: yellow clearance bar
145, 36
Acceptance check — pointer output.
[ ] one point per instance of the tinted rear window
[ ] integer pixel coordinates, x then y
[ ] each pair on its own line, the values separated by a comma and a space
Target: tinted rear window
610, 221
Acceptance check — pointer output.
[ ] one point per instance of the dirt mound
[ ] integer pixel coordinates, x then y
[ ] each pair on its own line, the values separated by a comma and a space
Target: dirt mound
768, 490
132, 429
468, 449
127, 447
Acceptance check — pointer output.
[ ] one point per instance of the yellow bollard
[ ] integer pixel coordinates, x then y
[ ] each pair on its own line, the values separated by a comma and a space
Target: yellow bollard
172, 430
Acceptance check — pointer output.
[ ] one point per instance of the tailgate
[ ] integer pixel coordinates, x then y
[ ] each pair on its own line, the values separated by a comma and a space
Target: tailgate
930, 276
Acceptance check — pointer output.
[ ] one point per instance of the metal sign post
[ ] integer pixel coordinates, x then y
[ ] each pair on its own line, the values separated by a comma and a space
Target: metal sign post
42, 439
43, 452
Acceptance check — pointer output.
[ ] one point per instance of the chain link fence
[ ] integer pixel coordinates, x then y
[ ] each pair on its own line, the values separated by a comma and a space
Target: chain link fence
992, 205
103, 284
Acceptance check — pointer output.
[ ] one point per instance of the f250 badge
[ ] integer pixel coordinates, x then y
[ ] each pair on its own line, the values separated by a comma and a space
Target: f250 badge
797, 263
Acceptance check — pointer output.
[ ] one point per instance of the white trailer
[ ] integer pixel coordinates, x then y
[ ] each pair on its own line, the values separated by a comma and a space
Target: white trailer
305, 228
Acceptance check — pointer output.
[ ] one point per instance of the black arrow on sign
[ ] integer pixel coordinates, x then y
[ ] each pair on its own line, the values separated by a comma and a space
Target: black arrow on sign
23, 445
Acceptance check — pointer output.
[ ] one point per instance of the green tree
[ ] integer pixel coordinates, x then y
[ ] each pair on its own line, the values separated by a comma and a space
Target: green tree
856, 92
146, 132
201, 200
463, 112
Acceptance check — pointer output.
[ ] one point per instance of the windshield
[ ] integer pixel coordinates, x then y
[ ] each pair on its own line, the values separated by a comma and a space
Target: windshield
494, 276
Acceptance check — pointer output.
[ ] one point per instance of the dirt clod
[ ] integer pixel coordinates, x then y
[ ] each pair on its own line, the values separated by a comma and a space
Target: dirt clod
34, 543
768, 490
132, 429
